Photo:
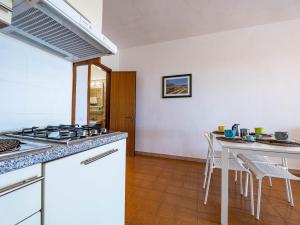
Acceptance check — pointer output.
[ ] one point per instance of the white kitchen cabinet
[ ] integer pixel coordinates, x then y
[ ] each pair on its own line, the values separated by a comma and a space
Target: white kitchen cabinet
20, 194
86, 188
91, 11
32, 220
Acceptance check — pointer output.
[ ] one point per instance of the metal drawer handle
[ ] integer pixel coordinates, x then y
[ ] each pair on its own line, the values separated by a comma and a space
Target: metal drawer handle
5, 7
100, 156
19, 185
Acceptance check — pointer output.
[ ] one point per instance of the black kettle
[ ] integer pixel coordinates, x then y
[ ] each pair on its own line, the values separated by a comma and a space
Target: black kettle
236, 128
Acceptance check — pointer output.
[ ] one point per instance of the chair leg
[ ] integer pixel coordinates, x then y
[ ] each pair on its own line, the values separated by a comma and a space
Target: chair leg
258, 199
207, 186
241, 182
270, 182
235, 176
291, 193
251, 194
206, 171
246, 185
287, 190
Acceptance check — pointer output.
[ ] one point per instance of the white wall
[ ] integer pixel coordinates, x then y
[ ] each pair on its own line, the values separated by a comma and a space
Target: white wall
249, 76
111, 61
35, 87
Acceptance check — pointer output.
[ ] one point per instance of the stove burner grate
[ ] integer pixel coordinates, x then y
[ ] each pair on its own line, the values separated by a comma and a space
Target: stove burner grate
61, 133
9, 145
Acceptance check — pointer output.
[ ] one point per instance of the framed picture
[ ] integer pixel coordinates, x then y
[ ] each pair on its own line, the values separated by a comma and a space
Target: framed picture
177, 86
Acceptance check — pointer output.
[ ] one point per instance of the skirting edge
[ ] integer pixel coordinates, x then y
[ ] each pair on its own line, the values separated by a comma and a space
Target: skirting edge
165, 156
170, 156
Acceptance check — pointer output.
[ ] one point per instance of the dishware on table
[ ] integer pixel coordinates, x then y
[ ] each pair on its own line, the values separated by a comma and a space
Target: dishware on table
221, 128
275, 142
261, 135
258, 136
236, 128
282, 136
259, 130
244, 132
218, 132
232, 140
250, 138
230, 133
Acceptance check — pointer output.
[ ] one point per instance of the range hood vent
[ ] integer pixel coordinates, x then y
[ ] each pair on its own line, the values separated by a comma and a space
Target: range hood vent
57, 31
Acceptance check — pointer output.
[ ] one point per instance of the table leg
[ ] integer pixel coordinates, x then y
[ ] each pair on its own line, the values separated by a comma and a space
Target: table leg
224, 187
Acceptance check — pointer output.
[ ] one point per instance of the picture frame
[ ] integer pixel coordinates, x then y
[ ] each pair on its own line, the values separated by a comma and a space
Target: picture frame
177, 86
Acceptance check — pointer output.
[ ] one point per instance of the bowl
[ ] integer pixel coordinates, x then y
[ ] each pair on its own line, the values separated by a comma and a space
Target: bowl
259, 130
250, 138
230, 133
282, 136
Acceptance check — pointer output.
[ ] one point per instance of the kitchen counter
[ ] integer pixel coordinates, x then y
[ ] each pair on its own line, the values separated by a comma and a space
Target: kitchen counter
56, 151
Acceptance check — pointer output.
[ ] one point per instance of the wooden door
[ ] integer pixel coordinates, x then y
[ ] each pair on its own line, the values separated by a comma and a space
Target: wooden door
122, 106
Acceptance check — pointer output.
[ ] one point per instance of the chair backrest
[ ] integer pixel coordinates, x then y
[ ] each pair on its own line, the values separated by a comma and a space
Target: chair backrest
207, 135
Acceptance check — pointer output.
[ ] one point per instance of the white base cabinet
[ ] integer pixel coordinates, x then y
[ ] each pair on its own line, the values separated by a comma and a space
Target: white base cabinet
86, 188
20, 195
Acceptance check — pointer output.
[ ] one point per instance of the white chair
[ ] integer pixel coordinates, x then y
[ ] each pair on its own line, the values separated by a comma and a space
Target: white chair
235, 164
217, 154
255, 158
262, 169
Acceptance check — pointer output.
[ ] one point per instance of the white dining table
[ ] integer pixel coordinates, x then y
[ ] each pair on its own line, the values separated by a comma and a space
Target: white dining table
246, 148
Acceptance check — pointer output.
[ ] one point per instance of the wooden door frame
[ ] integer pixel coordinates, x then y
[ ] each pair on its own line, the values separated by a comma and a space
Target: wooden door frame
89, 63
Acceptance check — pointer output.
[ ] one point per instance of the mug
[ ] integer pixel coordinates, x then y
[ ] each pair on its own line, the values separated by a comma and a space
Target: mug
259, 130
244, 132
221, 128
282, 136
230, 133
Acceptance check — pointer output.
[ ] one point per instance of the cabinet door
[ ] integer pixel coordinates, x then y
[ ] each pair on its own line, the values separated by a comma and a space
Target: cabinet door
91, 10
20, 194
77, 192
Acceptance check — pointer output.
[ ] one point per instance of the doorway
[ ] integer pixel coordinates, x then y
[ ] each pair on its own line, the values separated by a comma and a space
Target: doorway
106, 98
91, 93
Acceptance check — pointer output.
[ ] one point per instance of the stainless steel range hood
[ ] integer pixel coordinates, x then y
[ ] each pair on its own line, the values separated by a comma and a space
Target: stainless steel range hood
58, 28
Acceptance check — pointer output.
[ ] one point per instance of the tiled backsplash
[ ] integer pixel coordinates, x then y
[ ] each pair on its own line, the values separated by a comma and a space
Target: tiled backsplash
35, 86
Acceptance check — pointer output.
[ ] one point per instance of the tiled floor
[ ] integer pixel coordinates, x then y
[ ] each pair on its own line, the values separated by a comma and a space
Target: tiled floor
169, 192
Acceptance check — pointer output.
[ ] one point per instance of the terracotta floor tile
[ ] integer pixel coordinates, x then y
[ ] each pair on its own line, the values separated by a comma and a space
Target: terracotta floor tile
186, 216
166, 210
169, 192
164, 221
182, 191
145, 218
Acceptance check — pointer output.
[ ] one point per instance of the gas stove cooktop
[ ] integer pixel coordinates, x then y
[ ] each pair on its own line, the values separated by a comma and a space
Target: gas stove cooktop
64, 134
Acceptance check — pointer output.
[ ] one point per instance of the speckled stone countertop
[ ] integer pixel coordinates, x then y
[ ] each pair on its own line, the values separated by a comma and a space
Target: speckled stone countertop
56, 151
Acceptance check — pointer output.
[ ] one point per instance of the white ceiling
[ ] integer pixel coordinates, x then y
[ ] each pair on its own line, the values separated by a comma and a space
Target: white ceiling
138, 22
